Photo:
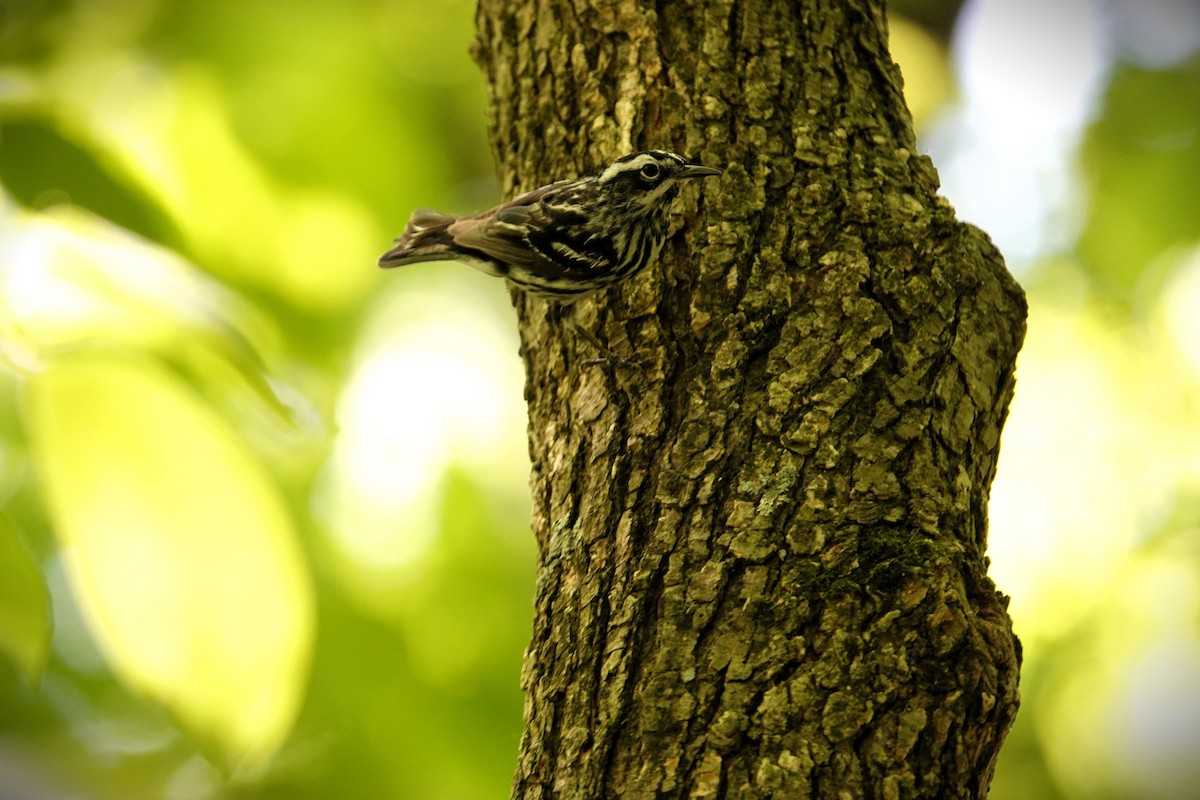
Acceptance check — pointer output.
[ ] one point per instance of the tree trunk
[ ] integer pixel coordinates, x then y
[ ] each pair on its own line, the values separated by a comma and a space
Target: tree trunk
761, 567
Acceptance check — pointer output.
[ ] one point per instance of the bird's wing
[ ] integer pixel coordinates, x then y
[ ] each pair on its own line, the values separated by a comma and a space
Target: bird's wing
494, 238
502, 233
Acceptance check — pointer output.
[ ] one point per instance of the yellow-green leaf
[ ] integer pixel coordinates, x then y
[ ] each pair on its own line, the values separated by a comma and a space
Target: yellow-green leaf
70, 280
179, 548
24, 606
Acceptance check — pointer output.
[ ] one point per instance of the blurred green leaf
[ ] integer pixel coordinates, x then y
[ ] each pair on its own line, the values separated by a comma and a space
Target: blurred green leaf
1142, 159
24, 606
377, 99
41, 167
178, 546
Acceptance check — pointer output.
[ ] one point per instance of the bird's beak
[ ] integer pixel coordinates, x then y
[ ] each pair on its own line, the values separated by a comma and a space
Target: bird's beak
697, 171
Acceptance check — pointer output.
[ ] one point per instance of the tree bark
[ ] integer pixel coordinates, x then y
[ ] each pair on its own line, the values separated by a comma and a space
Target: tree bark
761, 568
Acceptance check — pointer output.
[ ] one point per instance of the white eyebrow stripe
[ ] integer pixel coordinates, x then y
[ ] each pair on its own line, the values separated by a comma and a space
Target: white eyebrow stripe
625, 166
634, 164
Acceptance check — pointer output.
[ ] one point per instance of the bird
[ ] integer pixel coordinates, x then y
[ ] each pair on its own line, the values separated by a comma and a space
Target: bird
564, 240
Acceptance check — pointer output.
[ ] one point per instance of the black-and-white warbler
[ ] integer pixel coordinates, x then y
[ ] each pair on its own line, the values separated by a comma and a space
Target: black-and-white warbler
563, 240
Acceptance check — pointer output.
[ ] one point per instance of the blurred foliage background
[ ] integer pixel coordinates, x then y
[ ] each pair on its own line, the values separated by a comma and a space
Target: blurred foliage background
263, 516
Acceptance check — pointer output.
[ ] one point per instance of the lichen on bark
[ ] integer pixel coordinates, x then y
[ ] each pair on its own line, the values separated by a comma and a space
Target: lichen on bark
761, 555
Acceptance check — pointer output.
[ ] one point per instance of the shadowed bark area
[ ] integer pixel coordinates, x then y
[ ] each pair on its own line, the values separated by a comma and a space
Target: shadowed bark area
762, 567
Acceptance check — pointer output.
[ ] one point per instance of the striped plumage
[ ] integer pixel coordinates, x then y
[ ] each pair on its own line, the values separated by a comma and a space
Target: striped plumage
562, 240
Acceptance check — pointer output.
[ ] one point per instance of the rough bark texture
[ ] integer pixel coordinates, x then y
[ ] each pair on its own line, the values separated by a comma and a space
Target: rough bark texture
762, 567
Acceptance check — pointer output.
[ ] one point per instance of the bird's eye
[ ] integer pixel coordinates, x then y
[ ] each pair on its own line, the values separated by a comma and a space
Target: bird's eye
651, 171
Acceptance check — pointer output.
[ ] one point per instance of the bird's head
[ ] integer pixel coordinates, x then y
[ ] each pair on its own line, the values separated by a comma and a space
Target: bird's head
648, 181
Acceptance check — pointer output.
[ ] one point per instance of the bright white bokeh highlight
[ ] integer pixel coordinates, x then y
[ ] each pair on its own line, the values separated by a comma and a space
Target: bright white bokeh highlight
1030, 75
436, 384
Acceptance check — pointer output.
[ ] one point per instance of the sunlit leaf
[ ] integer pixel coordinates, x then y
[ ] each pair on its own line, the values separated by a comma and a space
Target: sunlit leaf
69, 279
235, 216
178, 548
24, 606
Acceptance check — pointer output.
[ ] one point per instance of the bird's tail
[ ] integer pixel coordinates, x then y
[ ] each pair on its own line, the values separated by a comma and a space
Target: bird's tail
424, 239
